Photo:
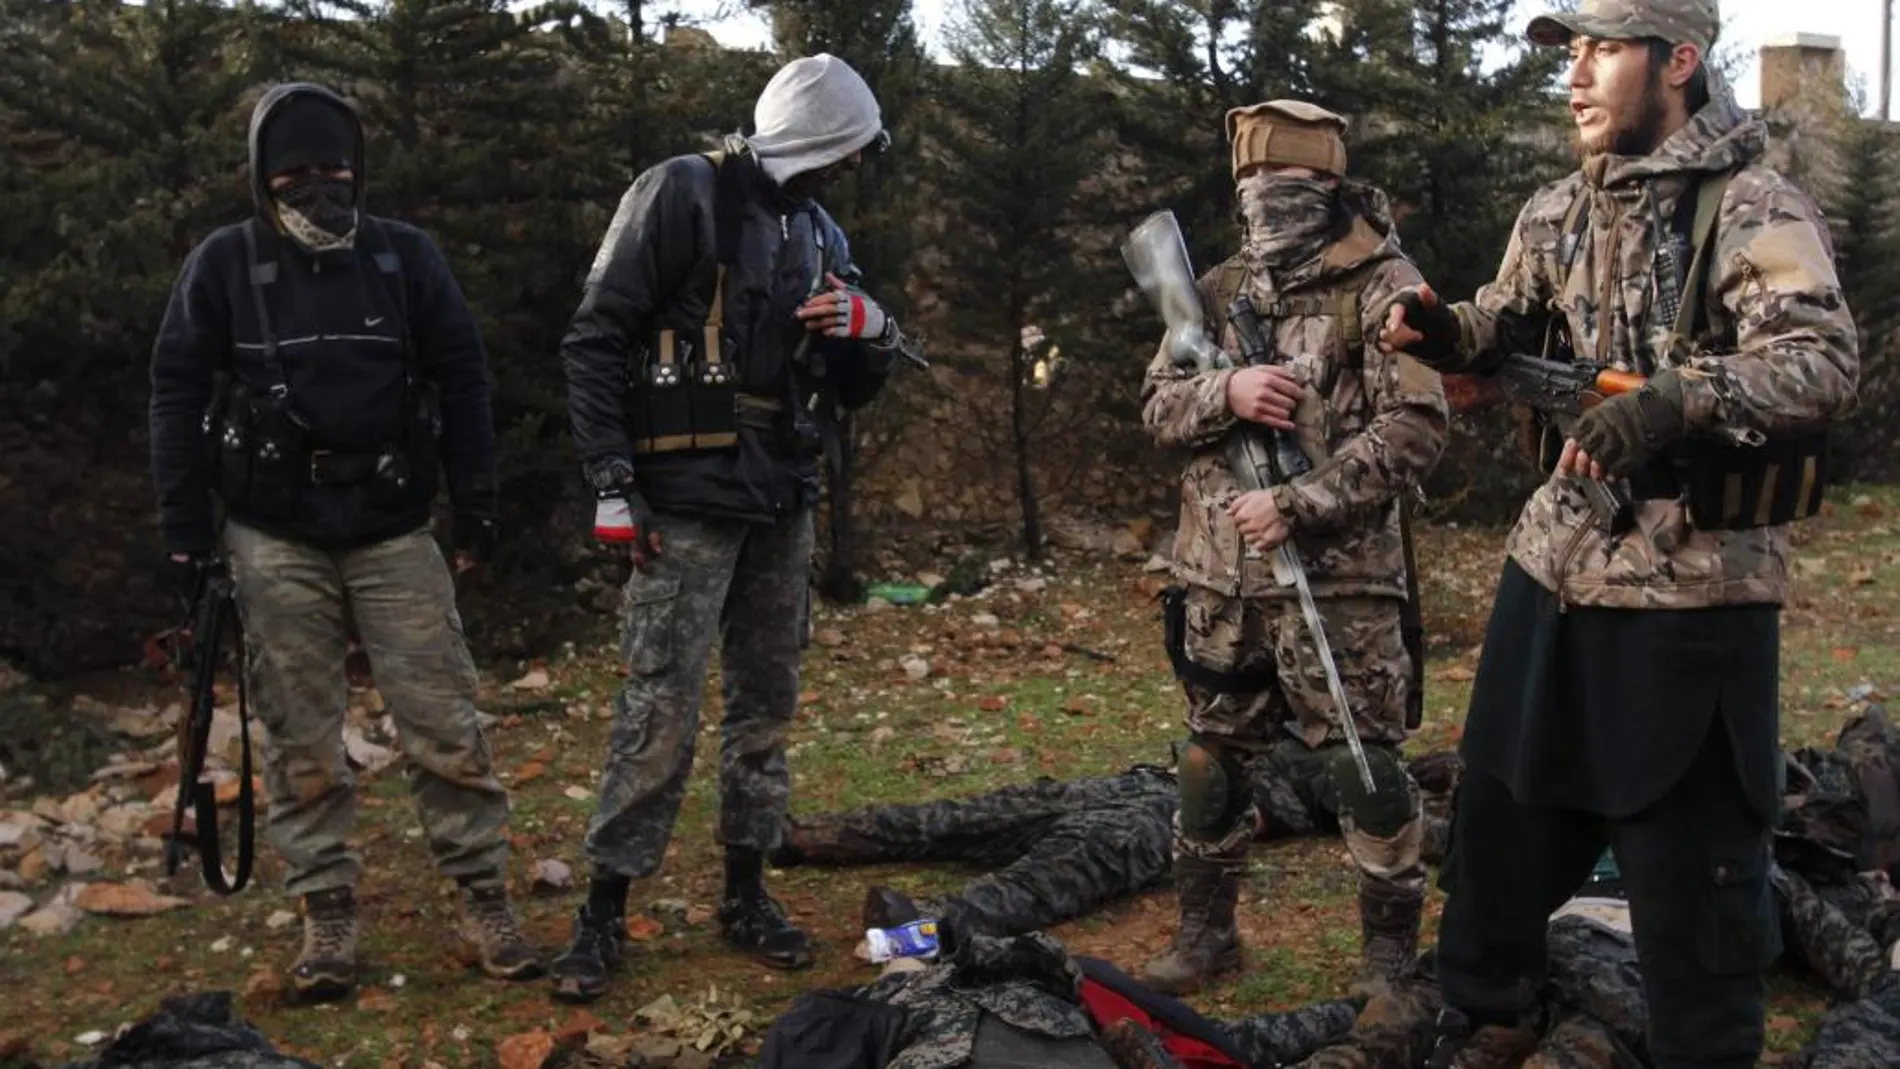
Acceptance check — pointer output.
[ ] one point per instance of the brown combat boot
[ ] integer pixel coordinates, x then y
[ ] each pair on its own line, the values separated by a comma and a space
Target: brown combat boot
1134, 1047
1206, 943
488, 928
326, 967
1389, 918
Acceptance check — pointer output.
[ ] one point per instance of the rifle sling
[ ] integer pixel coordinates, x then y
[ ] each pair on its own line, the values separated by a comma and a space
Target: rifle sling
204, 796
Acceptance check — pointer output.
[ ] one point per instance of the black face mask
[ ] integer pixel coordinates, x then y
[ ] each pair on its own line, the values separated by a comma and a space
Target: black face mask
329, 204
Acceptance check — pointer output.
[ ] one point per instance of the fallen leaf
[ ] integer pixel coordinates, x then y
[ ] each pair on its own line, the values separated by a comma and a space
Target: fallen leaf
1781, 1022
74, 965
1457, 673
1861, 576
809, 697
1078, 706
574, 1033
136, 899
642, 929
525, 1051
376, 1000
535, 680
1844, 654
12, 1044
530, 772
993, 703
263, 985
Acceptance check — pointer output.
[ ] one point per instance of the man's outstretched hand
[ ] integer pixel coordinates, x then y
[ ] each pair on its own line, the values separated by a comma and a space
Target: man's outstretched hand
1419, 324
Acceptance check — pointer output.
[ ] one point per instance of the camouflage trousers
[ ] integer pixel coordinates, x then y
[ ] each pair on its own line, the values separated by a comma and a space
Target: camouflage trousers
1257, 636
748, 586
293, 600
1058, 850
1276, 704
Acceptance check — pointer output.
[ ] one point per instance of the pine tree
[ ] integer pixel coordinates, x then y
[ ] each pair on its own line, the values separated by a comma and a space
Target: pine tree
1186, 63
1018, 141
123, 124
1457, 146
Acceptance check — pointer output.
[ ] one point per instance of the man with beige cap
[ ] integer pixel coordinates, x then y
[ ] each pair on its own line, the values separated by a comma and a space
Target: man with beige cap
1319, 259
1627, 693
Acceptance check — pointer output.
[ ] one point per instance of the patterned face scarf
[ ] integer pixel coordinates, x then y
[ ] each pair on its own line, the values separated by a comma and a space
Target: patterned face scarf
318, 212
1288, 220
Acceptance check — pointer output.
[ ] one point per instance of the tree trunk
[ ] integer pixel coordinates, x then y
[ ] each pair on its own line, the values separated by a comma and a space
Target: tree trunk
1019, 435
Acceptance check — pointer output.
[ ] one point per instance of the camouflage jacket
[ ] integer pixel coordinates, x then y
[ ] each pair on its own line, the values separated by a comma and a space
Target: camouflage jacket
1779, 354
1372, 423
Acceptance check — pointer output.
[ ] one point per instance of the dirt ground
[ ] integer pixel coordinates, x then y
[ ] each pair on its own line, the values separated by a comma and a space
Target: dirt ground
1051, 671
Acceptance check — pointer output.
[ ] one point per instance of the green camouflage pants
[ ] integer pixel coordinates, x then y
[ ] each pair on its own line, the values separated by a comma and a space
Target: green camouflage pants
747, 585
292, 600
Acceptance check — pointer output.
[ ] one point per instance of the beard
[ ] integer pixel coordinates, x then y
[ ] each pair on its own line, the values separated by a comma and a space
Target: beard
1633, 131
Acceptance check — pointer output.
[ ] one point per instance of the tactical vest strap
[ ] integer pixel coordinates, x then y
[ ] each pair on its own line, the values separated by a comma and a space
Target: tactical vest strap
1689, 315
1174, 640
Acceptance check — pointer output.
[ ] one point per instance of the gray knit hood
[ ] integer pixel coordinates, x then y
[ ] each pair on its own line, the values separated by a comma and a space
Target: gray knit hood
814, 112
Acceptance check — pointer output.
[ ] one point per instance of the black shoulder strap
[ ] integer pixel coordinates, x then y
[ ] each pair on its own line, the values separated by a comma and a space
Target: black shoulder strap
389, 263
261, 275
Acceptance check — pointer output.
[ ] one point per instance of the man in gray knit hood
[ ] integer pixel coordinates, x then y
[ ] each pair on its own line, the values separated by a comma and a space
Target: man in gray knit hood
727, 297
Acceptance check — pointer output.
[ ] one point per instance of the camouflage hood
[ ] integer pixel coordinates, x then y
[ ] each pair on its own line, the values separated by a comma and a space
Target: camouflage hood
1720, 137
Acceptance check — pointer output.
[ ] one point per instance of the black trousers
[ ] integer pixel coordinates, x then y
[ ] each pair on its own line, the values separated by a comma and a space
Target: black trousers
1695, 864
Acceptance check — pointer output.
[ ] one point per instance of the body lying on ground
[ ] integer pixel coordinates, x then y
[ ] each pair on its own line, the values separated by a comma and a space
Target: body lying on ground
1057, 850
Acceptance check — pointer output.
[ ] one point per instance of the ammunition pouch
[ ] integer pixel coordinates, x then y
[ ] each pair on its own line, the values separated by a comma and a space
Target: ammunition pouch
262, 454
1737, 487
683, 395
1174, 639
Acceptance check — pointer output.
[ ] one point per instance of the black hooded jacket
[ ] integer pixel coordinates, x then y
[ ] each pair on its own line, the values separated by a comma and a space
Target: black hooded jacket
339, 321
655, 270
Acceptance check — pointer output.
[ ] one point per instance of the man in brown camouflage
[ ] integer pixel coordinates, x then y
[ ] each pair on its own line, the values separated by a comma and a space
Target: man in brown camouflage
1320, 259
1628, 689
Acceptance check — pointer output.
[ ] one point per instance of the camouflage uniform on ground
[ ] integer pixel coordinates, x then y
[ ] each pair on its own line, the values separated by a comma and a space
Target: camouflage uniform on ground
1060, 850
1320, 261
1595, 718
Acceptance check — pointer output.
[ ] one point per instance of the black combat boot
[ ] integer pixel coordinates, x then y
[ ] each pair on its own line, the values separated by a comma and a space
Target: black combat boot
1207, 941
598, 944
752, 921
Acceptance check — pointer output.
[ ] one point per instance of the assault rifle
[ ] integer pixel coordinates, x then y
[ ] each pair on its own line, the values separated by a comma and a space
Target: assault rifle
212, 614
1562, 392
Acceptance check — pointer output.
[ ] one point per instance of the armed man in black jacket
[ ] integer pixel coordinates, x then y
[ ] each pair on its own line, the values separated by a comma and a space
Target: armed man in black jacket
315, 368
719, 337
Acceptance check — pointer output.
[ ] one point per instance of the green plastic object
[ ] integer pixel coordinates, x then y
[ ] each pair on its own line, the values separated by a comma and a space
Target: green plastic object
900, 593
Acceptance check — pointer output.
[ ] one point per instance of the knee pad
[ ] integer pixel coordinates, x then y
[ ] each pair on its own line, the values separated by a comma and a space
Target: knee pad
1383, 829
1391, 804
1215, 791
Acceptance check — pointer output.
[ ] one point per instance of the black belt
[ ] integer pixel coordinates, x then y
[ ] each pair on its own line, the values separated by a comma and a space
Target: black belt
331, 468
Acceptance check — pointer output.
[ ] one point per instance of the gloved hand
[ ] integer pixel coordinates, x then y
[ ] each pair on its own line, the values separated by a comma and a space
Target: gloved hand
475, 540
1621, 434
1418, 324
843, 312
623, 521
